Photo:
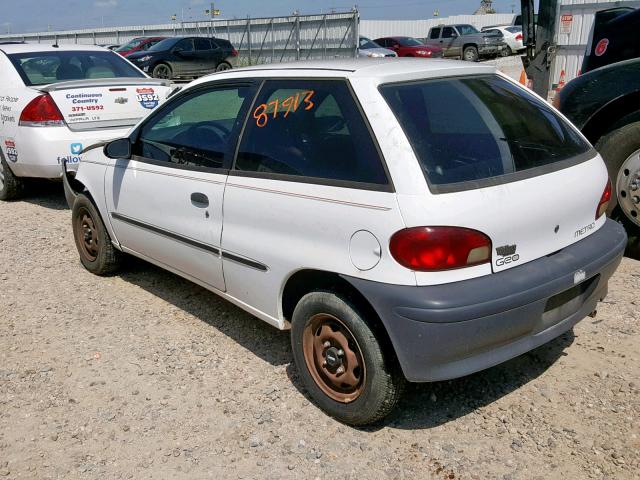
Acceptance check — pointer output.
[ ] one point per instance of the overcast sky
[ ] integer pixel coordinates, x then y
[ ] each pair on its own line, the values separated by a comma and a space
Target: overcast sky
39, 15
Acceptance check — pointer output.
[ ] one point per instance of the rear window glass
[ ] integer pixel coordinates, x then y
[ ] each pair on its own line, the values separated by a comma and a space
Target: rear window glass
44, 68
475, 128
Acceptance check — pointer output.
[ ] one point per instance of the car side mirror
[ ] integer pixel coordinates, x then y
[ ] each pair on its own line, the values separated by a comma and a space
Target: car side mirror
118, 149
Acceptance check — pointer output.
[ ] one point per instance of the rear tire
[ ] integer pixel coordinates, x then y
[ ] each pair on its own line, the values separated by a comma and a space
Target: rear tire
222, 66
162, 70
616, 149
470, 54
328, 328
97, 253
11, 187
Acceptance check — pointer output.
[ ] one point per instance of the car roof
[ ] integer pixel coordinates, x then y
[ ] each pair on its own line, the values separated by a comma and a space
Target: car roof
383, 70
44, 47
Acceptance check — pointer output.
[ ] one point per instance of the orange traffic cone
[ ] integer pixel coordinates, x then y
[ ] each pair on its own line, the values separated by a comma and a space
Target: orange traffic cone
523, 78
561, 82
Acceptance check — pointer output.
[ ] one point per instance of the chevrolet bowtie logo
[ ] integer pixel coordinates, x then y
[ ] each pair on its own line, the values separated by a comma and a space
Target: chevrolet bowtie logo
506, 250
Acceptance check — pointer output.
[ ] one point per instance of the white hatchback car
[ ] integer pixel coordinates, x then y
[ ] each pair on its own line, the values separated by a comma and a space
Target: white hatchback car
54, 100
408, 220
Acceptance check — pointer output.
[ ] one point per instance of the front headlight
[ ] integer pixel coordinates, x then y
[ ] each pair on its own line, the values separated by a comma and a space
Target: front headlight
424, 52
146, 58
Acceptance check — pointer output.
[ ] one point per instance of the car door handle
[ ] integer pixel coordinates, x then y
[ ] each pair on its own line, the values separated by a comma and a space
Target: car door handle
199, 200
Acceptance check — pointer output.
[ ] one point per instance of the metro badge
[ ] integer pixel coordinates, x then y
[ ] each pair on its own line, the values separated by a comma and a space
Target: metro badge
12, 152
147, 97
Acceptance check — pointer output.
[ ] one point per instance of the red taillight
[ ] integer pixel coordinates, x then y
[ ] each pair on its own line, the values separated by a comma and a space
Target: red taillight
42, 111
519, 37
603, 204
426, 249
234, 53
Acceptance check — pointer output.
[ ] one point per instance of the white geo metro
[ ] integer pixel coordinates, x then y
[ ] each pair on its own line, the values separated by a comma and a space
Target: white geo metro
409, 219
57, 99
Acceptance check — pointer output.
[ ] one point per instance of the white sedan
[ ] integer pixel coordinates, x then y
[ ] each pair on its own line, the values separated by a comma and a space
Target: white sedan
512, 37
56, 99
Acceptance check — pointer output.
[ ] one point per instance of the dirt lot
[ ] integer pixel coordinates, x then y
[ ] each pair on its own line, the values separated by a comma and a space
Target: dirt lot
144, 375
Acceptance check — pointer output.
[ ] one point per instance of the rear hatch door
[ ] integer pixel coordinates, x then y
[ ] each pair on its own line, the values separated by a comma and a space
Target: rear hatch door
501, 161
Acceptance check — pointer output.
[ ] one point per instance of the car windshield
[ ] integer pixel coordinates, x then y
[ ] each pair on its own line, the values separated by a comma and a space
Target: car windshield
473, 128
365, 44
467, 29
408, 42
163, 45
44, 68
130, 45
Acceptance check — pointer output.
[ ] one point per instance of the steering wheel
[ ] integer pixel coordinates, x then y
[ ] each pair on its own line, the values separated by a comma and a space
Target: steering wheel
213, 126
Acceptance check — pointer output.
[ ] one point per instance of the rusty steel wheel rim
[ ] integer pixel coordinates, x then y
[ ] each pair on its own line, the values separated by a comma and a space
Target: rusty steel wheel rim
87, 235
333, 358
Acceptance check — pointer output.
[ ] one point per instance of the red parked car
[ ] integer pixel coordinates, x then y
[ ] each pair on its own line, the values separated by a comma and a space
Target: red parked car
409, 47
139, 44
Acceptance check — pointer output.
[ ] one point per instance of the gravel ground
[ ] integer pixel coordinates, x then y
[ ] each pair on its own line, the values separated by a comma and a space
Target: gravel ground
145, 375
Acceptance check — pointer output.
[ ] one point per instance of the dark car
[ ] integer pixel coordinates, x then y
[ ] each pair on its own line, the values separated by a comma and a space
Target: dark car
604, 103
186, 57
139, 44
409, 47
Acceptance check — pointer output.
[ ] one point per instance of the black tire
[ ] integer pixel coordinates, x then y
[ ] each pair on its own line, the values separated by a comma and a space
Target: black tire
470, 54
506, 52
162, 70
222, 66
11, 187
381, 382
615, 148
97, 253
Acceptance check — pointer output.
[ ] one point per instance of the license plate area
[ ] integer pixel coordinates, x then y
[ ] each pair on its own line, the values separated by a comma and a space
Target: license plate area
566, 303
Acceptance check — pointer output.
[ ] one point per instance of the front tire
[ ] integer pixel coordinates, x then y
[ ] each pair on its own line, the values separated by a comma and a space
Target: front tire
11, 187
470, 54
620, 150
341, 361
97, 253
162, 70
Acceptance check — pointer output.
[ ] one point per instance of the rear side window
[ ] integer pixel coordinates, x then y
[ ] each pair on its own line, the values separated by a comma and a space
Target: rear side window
312, 129
478, 128
202, 44
435, 33
44, 68
447, 32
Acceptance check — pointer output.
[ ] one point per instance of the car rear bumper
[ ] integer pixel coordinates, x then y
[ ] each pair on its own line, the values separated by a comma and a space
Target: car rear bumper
448, 331
42, 150
491, 49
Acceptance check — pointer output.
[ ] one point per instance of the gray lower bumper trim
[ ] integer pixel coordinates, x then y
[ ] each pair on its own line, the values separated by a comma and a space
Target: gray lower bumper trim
446, 331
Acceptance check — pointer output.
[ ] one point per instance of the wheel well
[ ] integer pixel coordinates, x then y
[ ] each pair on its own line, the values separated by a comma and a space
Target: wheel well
615, 114
305, 281
464, 47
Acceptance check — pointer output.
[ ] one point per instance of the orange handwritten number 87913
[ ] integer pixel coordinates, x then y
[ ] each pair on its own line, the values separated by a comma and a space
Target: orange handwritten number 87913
288, 104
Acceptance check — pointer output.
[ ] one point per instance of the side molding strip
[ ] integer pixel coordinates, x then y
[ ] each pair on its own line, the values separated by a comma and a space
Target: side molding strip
194, 243
165, 233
